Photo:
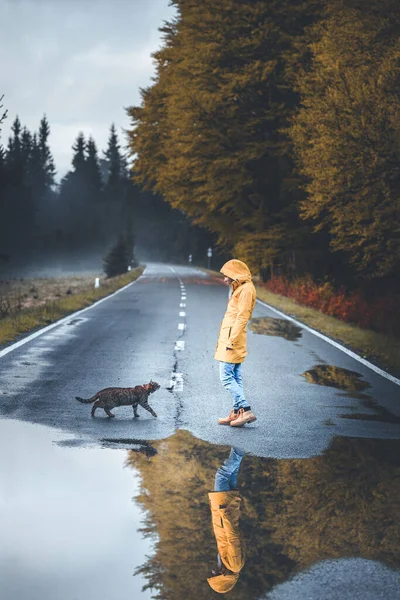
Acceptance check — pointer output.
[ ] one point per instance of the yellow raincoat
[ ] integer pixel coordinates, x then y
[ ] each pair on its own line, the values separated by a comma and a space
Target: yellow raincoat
232, 332
225, 511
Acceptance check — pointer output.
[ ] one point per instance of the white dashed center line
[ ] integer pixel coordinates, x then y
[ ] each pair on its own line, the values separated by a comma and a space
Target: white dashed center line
176, 382
180, 345
181, 326
182, 305
182, 314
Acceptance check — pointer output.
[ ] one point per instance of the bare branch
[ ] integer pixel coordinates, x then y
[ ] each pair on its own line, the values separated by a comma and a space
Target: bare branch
3, 117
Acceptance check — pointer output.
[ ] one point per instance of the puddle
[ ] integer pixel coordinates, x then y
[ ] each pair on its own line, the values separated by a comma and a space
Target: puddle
336, 377
69, 527
278, 327
75, 321
352, 383
127, 524
294, 514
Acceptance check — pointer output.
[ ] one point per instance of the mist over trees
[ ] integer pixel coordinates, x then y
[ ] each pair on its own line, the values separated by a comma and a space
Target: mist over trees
94, 205
275, 125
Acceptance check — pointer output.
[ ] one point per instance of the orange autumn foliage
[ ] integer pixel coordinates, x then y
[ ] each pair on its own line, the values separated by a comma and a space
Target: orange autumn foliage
379, 314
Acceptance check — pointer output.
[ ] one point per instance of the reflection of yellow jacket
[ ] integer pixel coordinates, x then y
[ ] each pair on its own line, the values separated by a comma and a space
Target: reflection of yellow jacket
225, 512
232, 333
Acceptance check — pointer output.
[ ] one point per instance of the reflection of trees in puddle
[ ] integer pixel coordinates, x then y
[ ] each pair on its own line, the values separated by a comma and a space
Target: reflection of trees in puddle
295, 512
277, 327
351, 382
336, 377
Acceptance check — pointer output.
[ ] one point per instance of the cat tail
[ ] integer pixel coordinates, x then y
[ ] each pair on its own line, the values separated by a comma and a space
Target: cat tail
86, 401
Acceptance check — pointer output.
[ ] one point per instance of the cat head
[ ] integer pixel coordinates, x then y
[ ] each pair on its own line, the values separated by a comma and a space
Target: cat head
153, 386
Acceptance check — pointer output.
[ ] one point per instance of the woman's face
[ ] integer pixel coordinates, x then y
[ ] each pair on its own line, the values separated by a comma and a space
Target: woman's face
228, 280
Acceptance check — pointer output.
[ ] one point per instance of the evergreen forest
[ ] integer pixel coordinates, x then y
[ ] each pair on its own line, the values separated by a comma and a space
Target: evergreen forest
76, 221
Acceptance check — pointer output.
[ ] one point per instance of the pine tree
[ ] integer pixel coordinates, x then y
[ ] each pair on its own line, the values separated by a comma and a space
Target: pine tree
79, 158
115, 171
14, 152
18, 200
81, 195
27, 176
94, 191
93, 171
118, 258
47, 166
73, 196
117, 210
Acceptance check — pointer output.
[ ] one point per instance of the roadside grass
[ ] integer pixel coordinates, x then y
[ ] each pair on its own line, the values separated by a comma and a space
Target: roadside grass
24, 320
381, 349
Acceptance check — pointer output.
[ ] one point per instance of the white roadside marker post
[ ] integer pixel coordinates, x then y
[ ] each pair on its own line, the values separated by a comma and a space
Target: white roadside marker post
209, 255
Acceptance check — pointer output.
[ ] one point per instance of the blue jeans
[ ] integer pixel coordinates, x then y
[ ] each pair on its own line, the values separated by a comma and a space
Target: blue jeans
230, 375
226, 476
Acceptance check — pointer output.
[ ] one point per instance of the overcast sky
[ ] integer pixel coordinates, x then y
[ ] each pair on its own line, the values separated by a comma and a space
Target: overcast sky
79, 61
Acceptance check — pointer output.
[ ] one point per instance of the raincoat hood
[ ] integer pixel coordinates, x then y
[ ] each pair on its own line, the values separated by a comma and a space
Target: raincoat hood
223, 583
231, 344
236, 270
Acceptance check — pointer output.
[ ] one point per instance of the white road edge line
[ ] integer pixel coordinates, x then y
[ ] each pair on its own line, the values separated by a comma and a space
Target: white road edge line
63, 320
333, 343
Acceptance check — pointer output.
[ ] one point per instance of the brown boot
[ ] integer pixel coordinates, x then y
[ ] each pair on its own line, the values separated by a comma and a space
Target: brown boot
244, 416
227, 420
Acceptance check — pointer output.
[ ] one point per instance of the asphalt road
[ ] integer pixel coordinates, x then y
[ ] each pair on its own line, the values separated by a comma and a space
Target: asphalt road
73, 497
132, 337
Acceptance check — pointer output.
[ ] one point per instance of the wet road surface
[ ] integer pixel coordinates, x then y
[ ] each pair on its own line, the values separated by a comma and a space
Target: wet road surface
319, 482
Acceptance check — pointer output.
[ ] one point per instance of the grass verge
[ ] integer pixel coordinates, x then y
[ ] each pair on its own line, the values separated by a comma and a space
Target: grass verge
28, 319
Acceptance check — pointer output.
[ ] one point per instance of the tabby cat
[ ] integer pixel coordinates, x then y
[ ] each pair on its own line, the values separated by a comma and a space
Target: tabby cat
112, 397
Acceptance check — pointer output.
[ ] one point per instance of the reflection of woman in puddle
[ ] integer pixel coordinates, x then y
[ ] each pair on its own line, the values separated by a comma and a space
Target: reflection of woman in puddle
225, 510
